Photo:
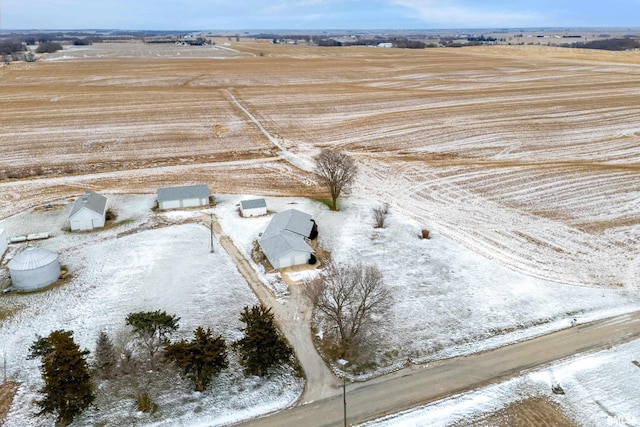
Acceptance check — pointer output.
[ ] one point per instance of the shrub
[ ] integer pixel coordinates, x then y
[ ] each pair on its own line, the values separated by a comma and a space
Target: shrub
48, 47
145, 403
380, 214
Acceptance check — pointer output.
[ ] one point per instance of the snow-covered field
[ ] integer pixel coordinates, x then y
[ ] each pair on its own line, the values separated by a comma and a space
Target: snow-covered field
525, 155
448, 300
168, 268
600, 390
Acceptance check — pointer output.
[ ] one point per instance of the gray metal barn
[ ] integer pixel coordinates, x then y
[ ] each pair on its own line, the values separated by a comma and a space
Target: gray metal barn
284, 241
34, 268
183, 197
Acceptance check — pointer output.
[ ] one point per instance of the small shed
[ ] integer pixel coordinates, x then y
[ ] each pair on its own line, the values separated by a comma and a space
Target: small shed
284, 241
88, 212
253, 207
4, 242
183, 197
34, 268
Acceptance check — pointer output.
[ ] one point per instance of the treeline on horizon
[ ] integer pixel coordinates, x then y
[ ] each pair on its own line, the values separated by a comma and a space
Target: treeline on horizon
627, 43
17, 42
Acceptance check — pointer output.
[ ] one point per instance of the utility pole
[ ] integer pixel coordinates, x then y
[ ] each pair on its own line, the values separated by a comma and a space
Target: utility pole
343, 363
344, 398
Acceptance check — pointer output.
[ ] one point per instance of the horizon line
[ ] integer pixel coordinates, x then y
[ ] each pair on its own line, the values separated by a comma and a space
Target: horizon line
534, 28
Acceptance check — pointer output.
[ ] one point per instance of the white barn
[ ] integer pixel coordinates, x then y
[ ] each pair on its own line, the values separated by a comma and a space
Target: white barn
183, 197
284, 241
4, 242
253, 207
34, 268
88, 212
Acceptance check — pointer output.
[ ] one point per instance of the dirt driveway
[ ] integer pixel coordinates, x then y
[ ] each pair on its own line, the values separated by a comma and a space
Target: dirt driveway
7, 391
293, 315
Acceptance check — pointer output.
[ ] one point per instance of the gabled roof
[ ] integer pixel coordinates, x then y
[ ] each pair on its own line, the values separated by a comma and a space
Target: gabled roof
291, 220
181, 193
286, 233
92, 201
281, 244
253, 204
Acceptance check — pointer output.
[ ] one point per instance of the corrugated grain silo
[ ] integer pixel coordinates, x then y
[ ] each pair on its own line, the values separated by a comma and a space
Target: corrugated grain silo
34, 268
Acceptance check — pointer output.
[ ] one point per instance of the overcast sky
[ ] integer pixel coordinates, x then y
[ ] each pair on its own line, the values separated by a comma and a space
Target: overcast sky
314, 14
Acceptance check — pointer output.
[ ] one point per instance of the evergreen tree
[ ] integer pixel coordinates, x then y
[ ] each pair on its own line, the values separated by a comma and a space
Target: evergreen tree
201, 359
262, 346
152, 328
68, 389
105, 355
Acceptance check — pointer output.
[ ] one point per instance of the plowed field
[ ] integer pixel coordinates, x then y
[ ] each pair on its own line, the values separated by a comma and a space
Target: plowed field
531, 412
528, 155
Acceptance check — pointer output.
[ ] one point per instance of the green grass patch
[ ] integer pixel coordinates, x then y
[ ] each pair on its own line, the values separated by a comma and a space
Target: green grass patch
327, 202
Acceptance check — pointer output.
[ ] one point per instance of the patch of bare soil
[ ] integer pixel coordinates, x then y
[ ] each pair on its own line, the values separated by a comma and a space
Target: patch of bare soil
7, 391
537, 412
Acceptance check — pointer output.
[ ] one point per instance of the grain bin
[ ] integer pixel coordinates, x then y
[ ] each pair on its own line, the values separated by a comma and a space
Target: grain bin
34, 268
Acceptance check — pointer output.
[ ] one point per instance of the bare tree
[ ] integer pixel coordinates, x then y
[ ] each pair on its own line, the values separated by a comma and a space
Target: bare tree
380, 213
337, 172
352, 300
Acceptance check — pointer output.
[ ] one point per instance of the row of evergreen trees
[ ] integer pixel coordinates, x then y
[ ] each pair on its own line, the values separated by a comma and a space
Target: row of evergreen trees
69, 379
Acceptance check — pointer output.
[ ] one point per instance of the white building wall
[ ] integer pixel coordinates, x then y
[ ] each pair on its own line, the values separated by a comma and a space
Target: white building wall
184, 203
189, 203
169, 204
294, 258
98, 221
253, 212
86, 219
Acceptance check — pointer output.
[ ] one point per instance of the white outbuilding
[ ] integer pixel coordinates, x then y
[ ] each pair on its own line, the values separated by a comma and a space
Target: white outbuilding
183, 197
34, 268
253, 207
88, 212
284, 241
3, 241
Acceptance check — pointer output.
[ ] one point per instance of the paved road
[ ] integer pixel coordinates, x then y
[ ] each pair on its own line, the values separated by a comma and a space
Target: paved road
416, 386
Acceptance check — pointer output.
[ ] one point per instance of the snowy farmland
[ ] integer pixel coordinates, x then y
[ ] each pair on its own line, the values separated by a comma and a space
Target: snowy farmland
167, 268
449, 301
600, 390
522, 162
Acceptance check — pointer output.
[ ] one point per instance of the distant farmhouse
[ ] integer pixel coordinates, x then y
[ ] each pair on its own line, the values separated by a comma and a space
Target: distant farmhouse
284, 242
88, 212
253, 207
183, 197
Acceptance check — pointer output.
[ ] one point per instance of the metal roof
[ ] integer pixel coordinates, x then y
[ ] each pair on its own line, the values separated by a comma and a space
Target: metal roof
291, 220
182, 193
286, 233
253, 204
274, 247
92, 201
32, 258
